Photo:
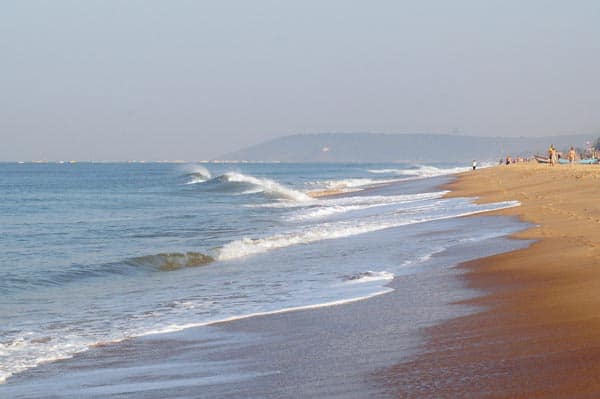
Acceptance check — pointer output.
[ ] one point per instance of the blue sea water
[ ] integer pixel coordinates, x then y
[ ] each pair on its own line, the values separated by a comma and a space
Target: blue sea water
95, 253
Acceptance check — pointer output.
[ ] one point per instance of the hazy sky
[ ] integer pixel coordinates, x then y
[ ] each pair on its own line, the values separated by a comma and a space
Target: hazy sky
176, 79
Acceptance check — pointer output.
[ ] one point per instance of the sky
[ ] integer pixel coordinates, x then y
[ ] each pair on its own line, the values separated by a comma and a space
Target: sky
154, 80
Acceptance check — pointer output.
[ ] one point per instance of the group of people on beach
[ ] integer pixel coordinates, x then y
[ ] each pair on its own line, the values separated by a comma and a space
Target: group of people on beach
508, 160
554, 156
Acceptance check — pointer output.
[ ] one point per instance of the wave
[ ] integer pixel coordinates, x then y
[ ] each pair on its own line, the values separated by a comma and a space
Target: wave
415, 171
370, 276
432, 171
241, 184
240, 248
386, 171
330, 207
173, 261
38, 349
78, 272
423, 258
197, 174
251, 184
246, 184
327, 231
324, 231
421, 171
329, 187
355, 183
66, 349
34, 348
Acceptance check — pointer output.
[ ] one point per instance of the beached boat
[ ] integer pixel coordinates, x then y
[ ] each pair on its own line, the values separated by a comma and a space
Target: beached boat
587, 161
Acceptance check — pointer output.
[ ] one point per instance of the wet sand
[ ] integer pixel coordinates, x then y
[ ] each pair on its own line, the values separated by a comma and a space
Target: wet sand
539, 336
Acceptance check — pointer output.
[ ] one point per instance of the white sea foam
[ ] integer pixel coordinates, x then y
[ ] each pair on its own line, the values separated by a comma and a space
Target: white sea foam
356, 183
350, 185
32, 349
327, 231
370, 276
334, 206
178, 327
71, 345
423, 171
196, 180
387, 171
423, 258
432, 171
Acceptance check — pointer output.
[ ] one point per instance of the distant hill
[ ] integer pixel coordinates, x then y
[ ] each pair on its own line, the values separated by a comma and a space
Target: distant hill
367, 147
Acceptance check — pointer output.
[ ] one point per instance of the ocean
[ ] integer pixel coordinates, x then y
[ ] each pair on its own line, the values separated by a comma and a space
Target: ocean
99, 253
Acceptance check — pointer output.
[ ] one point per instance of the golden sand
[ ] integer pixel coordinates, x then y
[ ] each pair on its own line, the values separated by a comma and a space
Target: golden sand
539, 335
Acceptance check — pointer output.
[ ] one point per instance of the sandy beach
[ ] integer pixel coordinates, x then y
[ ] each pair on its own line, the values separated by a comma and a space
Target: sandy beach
539, 337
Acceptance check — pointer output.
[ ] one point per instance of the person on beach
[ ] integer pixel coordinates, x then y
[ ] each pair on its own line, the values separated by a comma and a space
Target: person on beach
571, 155
474, 164
552, 154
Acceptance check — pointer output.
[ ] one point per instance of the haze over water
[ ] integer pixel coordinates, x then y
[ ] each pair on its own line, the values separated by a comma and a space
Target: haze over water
114, 80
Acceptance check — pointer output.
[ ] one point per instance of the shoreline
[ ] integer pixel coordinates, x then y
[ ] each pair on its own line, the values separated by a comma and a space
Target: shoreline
538, 335
384, 329
329, 351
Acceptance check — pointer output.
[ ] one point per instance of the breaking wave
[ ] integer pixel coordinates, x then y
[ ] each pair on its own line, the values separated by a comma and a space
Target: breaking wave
241, 184
173, 261
251, 184
197, 174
